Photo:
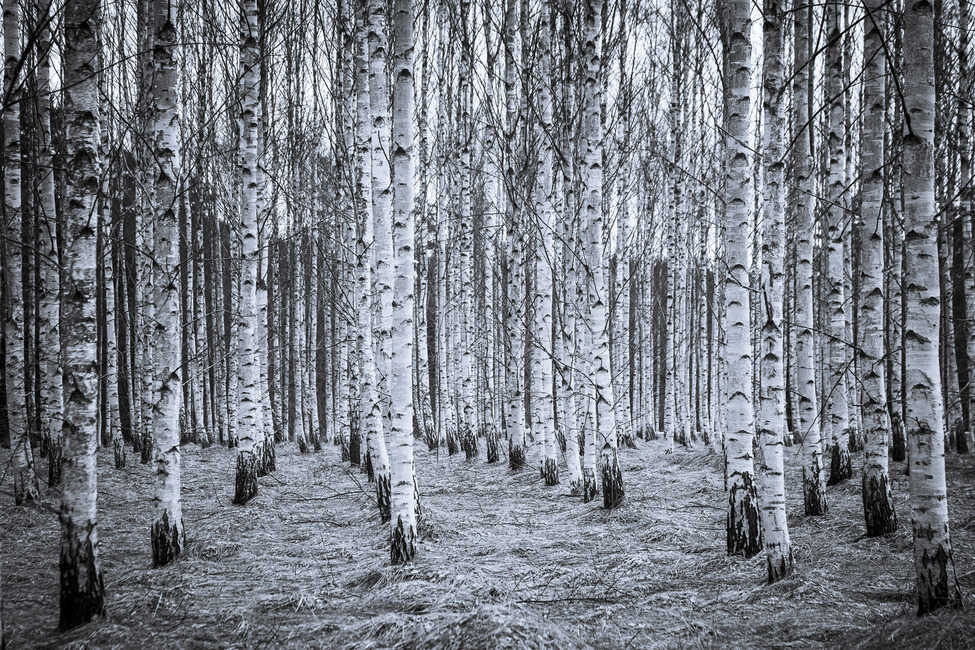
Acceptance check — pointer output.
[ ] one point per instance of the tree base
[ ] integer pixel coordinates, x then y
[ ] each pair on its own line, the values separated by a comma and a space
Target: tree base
491, 446
589, 490
550, 472
937, 585
469, 443
452, 446
840, 468
744, 533
383, 496
612, 479
119, 454
516, 456
25, 485
403, 543
82, 588
878, 507
167, 540
355, 448
813, 495
245, 487
780, 566
367, 468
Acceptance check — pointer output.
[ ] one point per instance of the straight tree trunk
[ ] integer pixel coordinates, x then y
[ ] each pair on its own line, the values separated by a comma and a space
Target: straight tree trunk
837, 402
405, 506
250, 429
878, 504
594, 220
813, 480
937, 584
24, 476
82, 590
771, 486
168, 537
49, 342
743, 533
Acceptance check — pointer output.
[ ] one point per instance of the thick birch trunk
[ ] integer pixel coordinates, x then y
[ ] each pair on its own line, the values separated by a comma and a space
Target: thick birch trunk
771, 486
937, 584
168, 538
593, 230
82, 592
405, 504
743, 535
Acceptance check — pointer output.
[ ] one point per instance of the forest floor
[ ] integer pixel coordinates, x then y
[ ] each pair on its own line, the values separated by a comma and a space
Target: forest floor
504, 563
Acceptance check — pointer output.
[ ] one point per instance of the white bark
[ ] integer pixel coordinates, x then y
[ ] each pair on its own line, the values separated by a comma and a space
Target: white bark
24, 478
404, 498
594, 231
878, 504
771, 486
937, 584
837, 403
813, 481
743, 535
250, 428
49, 312
168, 538
82, 592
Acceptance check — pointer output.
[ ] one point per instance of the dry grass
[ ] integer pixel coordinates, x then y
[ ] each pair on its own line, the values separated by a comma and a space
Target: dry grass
504, 563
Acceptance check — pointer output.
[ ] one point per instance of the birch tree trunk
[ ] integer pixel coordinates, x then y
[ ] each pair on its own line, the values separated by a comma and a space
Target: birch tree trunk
515, 420
771, 486
250, 428
593, 231
82, 590
545, 259
813, 480
168, 537
937, 584
743, 535
24, 476
404, 491
878, 505
837, 404
49, 343
379, 193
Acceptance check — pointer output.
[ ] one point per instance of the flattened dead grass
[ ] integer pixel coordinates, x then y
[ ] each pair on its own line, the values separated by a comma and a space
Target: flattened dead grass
503, 562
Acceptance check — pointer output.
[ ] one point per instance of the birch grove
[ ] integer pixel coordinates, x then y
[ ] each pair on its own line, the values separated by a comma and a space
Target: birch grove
683, 260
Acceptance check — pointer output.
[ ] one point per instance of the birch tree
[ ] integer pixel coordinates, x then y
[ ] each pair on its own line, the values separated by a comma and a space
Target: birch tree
878, 505
937, 584
24, 477
168, 538
743, 533
48, 293
82, 590
250, 428
594, 232
837, 404
403, 479
813, 480
544, 405
381, 231
771, 487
